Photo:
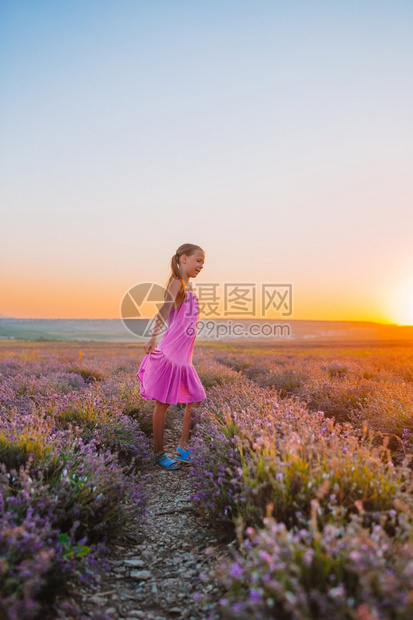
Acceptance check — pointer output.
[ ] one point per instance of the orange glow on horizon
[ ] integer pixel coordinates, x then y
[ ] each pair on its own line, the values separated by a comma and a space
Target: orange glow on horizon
400, 304
27, 297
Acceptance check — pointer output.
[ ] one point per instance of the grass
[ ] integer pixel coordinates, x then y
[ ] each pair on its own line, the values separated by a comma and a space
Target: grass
303, 456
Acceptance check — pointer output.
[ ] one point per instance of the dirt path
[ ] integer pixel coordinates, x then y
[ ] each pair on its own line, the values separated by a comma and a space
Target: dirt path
167, 572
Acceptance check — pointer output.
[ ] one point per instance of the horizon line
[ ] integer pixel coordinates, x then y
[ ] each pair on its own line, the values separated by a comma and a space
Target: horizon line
210, 319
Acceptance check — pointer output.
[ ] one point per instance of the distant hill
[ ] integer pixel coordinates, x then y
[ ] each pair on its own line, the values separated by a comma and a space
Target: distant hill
113, 330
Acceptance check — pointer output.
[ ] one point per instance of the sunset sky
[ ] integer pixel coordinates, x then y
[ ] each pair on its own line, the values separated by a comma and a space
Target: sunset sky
277, 135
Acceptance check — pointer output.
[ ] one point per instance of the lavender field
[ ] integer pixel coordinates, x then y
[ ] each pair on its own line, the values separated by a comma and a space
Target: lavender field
302, 465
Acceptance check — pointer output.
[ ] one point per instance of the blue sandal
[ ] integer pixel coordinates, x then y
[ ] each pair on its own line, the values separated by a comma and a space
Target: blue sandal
184, 455
165, 462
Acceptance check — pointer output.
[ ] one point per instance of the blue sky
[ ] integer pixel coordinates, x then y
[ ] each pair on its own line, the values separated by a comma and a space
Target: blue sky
276, 135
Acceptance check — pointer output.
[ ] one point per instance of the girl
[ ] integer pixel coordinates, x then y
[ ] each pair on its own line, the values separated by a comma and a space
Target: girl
166, 373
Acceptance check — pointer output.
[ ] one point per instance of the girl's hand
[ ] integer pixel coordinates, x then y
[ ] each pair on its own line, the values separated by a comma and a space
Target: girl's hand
150, 345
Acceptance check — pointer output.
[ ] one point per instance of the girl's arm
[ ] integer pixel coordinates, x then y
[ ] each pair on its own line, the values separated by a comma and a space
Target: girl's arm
162, 315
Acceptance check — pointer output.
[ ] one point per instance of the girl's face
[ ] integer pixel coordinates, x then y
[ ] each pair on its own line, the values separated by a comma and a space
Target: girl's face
194, 263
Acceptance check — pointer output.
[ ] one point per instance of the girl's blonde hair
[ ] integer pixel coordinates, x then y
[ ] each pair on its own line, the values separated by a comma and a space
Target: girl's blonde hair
188, 249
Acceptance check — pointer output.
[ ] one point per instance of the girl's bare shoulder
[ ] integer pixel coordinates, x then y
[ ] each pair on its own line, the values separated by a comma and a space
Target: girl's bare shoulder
174, 286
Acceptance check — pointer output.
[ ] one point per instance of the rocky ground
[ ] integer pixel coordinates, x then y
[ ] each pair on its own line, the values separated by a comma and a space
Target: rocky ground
164, 569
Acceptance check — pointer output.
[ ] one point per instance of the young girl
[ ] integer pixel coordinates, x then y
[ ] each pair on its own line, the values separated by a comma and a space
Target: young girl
166, 373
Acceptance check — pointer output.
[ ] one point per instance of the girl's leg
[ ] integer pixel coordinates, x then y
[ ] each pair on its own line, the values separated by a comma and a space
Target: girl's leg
187, 426
159, 416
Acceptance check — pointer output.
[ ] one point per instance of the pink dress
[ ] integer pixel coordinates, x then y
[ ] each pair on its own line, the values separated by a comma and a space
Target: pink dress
166, 373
